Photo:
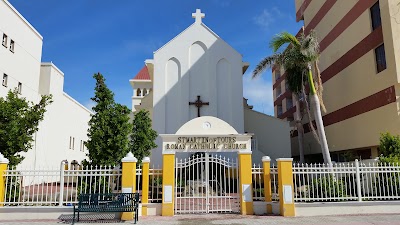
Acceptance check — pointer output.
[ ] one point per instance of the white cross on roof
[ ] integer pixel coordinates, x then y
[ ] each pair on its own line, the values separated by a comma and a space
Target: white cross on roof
198, 15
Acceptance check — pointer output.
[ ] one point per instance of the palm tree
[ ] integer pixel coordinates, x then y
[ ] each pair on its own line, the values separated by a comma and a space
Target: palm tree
298, 60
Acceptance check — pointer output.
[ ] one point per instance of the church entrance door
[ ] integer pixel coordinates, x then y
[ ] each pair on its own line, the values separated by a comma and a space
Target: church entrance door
207, 183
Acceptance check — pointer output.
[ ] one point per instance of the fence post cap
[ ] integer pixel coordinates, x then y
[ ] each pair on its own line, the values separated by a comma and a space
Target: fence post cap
3, 160
266, 159
146, 159
129, 158
285, 159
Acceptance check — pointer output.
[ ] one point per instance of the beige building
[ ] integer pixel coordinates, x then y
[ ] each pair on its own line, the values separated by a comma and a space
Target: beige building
359, 63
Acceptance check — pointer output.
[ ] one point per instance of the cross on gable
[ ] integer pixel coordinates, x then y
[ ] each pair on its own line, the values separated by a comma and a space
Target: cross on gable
198, 16
198, 103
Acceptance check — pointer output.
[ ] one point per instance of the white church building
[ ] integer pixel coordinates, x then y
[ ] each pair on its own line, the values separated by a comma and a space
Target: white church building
198, 74
63, 131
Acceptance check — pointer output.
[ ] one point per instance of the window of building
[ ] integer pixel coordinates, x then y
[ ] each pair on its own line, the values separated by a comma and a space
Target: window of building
4, 40
278, 91
81, 146
73, 143
380, 58
19, 88
144, 92
12, 44
277, 74
5, 80
138, 92
289, 103
375, 16
70, 142
286, 85
279, 110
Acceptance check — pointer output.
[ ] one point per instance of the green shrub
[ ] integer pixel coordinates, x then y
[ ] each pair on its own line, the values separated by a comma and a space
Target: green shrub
327, 187
389, 146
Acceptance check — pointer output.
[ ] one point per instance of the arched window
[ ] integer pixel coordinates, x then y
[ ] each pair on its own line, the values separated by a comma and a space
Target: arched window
145, 92
138, 92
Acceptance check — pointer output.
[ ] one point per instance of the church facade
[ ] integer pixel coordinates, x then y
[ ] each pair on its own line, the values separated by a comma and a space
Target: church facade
198, 74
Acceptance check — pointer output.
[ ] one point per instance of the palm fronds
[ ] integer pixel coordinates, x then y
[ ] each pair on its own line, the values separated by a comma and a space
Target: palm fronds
283, 38
266, 63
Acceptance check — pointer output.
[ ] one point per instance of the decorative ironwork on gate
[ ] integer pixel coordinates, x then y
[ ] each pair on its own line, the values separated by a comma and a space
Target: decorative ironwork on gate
207, 183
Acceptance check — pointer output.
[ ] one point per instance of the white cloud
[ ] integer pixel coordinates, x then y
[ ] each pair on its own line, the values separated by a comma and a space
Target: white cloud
268, 16
258, 91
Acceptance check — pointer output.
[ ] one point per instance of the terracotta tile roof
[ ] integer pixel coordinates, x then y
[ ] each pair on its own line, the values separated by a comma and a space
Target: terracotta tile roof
143, 74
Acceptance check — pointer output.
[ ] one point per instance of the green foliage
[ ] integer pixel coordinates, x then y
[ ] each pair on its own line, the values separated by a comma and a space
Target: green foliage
327, 186
142, 136
19, 120
109, 127
180, 183
157, 181
389, 146
386, 184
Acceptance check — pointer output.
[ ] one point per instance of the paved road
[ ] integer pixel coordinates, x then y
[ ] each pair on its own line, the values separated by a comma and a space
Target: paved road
236, 220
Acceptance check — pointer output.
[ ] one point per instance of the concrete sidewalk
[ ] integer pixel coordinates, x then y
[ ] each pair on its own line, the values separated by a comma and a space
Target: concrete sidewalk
234, 219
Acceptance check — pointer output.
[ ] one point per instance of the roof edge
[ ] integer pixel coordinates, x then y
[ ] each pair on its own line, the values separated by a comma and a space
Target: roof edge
23, 19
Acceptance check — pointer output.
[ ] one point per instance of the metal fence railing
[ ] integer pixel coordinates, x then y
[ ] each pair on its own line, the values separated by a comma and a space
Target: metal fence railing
139, 179
50, 187
346, 182
258, 182
155, 184
274, 183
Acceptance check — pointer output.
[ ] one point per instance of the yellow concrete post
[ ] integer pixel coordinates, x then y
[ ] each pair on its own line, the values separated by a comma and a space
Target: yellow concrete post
267, 183
128, 180
145, 184
285, 187
3, 167
168, 184
245, 187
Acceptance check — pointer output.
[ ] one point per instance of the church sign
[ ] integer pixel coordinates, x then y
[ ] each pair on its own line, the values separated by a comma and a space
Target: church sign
207, 143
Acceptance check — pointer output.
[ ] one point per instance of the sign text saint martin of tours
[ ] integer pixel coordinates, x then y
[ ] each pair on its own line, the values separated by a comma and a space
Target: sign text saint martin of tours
206, 143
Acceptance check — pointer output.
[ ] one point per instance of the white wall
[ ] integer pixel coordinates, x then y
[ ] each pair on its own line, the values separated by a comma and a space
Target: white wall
273, 135
27, 50
195, 63
63, 119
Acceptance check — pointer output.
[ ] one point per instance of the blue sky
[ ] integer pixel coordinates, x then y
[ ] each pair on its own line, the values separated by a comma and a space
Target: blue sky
82, 37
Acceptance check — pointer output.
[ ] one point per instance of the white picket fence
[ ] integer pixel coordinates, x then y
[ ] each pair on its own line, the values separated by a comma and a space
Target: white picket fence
51, 187
346, 182
155, 184
258, 183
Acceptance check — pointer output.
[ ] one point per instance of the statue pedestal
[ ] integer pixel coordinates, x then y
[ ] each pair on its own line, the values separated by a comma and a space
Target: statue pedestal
196, 187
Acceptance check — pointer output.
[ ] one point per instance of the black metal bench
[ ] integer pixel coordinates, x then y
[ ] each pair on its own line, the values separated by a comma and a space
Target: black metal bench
110, 202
